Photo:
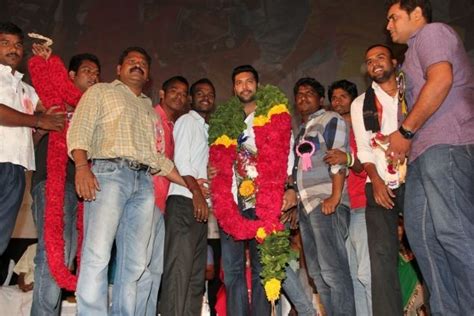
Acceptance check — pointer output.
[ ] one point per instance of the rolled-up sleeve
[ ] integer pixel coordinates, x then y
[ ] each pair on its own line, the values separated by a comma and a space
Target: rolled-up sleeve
362, 136
183, 133
81, 130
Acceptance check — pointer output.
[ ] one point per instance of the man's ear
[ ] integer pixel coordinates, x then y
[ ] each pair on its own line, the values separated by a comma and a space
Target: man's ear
118, 69
72, 75
161, 94
394, 63
417, 13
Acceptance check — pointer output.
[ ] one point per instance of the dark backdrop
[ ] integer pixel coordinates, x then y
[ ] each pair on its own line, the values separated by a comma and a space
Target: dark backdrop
283, 39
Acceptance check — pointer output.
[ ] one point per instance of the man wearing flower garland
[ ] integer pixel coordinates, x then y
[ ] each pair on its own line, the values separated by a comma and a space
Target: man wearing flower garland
374, 116
323, 201
245, 82
114, 125
341, 94
18, 102
83, 71
186, 217
438, 136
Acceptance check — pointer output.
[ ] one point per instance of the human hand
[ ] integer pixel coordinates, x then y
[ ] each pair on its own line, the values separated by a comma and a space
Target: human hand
335, 157
201, 210
42, 50
329, 205
204, 186
22, 285
86, 182
383, 195
398, 147
289, 200
211, 172
290, 216
51, 120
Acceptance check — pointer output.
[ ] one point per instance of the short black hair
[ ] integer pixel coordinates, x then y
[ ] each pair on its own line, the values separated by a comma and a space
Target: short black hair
77, 60
313, 83
391, 55
410, 5
201, 81
172, 80
134, 49
12, 29
244, 68
345, 85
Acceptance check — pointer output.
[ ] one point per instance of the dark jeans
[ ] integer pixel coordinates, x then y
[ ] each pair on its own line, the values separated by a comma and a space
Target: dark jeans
324, 238
12, 187
382, 237
214, 285
184, 259
439, 221
46, 293
233, 264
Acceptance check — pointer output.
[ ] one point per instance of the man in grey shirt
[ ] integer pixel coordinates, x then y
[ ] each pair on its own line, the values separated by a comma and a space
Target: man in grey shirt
438, 136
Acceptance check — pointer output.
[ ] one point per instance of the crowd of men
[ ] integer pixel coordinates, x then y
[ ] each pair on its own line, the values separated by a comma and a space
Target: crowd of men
404, 146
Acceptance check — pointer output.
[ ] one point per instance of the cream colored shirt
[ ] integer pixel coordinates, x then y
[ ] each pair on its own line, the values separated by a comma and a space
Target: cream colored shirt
112, 122
26, 264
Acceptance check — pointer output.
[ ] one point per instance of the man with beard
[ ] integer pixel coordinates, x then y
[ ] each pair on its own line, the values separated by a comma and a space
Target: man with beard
173, 98
114, 126
18, 101
438, 136
245, 83
186, 220
374, 116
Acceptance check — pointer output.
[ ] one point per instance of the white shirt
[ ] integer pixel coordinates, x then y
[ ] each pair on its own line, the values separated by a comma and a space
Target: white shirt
191, 150
365, 152
16, 143
250, 143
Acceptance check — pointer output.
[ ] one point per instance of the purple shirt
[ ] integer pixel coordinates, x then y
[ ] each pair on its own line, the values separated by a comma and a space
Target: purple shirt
453, 122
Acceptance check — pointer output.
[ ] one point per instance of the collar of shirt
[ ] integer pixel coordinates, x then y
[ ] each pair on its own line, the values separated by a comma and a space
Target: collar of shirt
384, 98
164, 117
198, 117
16, 77
117, 82
315, 114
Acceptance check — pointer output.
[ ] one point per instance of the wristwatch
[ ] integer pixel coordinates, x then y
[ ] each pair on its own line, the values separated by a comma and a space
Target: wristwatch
406, 133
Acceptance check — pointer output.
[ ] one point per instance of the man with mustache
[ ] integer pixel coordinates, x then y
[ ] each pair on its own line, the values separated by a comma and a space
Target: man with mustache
374, 116
438, 137
186, 224
114, 126
173, 98
18, 120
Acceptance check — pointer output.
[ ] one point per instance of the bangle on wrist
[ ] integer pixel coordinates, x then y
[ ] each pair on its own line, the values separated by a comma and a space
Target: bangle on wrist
349, 160
353, 159
289, 186
37, 121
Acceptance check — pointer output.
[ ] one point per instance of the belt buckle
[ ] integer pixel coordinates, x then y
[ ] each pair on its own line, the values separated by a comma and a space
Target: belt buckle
134, 165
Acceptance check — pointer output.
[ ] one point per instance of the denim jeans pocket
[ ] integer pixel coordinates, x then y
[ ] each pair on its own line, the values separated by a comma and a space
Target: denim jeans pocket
105, 167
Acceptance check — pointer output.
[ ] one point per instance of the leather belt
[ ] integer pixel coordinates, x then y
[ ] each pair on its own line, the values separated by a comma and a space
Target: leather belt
131, 164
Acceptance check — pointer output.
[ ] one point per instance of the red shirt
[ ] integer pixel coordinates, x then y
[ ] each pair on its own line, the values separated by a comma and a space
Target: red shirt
164, 144
356, 181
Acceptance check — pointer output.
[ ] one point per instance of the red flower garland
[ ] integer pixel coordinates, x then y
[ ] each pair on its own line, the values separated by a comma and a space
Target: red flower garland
54, 87
272, 141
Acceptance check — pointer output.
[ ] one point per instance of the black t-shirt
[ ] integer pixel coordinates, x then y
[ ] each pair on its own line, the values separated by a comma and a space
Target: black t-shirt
41, 153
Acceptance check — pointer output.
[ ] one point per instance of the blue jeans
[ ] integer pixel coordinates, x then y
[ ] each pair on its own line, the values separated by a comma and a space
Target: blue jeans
235, 281
439, 222
359, 262
46, 293
149, 284
296, 294
12, 187
123, 210
324, 238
